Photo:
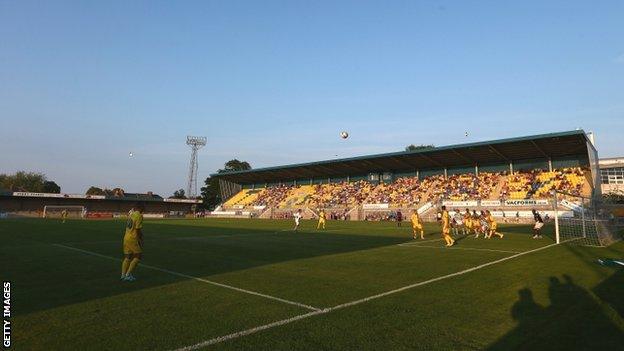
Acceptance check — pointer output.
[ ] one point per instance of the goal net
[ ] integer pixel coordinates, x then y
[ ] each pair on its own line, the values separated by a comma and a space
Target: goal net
583, 220
57, 211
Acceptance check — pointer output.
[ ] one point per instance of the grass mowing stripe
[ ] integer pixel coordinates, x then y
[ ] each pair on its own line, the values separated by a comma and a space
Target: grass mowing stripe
355, 302
250, 331
463, 248
416, 243
182, 238
196, 278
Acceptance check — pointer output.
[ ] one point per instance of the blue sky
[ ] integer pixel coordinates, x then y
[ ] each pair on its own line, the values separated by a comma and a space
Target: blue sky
84, 83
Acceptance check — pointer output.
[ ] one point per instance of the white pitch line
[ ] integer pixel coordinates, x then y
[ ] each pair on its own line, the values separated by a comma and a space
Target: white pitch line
352, 303
197, 279
463, 248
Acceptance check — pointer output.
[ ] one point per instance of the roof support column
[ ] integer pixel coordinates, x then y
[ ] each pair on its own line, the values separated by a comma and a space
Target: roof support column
295, 182
418, 174
510, 167
348, 179
476, 170
445, 174
550, 164
310, 181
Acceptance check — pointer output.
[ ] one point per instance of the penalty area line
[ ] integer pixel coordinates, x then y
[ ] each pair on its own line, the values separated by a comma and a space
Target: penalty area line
353, 303
196, 279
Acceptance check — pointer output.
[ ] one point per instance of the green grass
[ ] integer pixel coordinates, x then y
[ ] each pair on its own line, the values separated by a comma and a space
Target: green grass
555, 298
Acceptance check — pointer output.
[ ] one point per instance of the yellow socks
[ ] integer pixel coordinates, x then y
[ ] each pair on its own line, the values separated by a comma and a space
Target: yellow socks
449, 240
124, 266
133, 264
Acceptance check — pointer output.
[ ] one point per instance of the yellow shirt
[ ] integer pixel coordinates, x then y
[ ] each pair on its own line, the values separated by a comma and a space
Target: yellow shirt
134, 223
445, 218
415, 219
490, 219
322, 215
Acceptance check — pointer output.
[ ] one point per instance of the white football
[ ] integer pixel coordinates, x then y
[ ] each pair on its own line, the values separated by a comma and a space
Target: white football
344, 135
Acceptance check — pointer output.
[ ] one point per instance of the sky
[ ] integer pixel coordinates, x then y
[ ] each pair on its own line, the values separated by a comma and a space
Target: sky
84, 83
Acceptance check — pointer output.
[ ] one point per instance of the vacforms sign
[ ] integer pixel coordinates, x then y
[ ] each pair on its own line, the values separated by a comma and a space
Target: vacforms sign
527, 202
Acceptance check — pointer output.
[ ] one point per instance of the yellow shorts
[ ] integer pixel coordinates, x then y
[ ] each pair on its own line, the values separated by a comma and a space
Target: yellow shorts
321, 221
446, 230
417, 226
493, 226
131, 246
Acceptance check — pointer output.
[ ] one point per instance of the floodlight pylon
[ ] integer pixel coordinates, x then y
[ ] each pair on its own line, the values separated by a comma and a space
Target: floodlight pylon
195, 143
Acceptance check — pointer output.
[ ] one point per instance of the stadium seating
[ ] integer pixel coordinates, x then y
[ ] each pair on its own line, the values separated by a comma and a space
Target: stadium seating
339, 194
538, 184
272, 196
297, 196
411, 191
234, 200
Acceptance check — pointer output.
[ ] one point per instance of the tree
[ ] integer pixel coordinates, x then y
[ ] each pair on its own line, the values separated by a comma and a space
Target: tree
94, 190
211, 192
413, 147
235, 165
23, 181
178, 194
117, 192
51, 187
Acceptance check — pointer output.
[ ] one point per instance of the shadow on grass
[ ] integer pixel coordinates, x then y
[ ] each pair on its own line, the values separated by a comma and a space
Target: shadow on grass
527, 229
611, 292
48, 276
575, 320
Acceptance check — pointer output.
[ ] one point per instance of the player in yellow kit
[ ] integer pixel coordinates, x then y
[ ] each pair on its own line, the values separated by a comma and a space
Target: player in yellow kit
493, 226
321, 222
468, 221
446, 227
132, 243
64, 215
417, 226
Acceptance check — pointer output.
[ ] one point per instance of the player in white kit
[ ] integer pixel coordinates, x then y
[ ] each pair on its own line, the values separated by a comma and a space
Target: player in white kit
297, 216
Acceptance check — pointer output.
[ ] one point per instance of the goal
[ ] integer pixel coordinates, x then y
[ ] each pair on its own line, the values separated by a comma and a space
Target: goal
57, 211
583, 220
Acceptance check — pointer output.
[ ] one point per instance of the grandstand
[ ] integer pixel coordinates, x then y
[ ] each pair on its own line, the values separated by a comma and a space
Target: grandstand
509, 174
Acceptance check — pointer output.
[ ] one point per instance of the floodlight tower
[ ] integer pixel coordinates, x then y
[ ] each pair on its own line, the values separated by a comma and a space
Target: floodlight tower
195, 143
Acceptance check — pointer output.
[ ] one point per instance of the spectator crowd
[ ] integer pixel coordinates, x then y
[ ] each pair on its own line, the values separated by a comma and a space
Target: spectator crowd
411, 191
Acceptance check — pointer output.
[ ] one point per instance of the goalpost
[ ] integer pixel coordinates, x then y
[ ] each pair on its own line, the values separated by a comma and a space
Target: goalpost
582, 220
51, 211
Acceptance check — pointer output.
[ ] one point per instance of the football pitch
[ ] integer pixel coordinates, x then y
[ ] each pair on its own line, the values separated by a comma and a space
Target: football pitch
227, 284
